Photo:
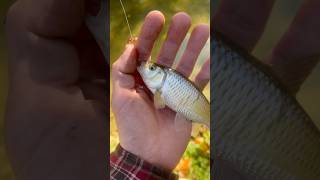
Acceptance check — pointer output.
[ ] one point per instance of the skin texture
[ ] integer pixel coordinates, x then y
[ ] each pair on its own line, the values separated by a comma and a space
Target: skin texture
293, 57
145, 131
56, 106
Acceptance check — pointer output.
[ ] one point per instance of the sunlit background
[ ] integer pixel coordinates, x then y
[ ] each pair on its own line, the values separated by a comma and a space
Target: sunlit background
281, 16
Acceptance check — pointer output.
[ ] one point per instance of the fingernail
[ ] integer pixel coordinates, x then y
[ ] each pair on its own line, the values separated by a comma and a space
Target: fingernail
129, 46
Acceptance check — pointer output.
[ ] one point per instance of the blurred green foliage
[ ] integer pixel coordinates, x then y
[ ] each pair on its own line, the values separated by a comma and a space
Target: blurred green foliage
196, 159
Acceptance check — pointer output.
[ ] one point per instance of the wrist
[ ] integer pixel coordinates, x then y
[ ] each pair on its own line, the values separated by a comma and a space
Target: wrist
154, 155
127, 161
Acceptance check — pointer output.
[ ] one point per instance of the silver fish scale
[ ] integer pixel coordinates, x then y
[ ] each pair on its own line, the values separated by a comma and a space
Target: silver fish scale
180, 94
259, 127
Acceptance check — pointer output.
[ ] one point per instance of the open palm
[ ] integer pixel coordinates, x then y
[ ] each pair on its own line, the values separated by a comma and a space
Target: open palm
145, 131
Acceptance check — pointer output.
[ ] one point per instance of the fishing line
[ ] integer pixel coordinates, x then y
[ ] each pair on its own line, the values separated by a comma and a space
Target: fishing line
125, 15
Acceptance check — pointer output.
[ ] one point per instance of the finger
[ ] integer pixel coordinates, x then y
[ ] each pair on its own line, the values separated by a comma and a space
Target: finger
179, 27
298, 51
37, 33
127, 61
198, 39
150, 31
242, 21
125, 65
203, 77
121, 80
53, 18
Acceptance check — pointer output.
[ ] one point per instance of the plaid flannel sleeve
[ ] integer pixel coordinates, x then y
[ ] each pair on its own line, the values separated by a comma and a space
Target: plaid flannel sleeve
125, 165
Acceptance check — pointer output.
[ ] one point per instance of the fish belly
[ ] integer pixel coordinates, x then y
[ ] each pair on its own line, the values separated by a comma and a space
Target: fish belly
181, 96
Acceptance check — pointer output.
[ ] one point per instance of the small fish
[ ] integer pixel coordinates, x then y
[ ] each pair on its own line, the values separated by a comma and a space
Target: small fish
259, 127
175, 91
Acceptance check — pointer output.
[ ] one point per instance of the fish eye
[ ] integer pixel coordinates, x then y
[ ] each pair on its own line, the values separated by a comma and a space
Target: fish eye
152, 68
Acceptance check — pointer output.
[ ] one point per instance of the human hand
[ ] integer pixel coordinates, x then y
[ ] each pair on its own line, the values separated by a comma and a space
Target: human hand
144, 130
297, 52
56, 109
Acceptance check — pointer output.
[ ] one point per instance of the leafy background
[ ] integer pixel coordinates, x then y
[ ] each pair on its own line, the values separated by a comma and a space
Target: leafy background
281, 16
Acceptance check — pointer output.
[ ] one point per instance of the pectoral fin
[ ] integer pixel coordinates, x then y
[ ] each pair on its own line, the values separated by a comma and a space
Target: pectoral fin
158, 100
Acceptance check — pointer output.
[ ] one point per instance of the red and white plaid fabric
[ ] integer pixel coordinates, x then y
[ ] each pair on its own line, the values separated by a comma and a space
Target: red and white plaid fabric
125, 165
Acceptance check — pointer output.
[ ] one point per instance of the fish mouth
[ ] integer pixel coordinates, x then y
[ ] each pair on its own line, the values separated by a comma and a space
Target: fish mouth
141, 66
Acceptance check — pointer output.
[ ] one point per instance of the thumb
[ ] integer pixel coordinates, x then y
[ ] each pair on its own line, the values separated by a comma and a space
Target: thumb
123, 68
